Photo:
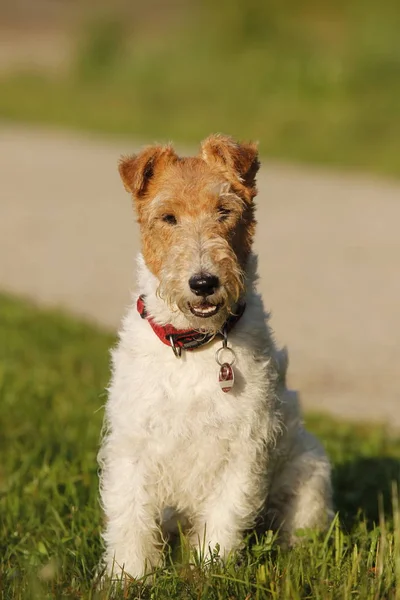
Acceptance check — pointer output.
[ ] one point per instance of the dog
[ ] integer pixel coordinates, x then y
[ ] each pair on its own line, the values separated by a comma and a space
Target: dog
200, 428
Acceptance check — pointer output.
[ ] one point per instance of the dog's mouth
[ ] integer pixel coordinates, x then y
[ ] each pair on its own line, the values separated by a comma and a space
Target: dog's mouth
204, 309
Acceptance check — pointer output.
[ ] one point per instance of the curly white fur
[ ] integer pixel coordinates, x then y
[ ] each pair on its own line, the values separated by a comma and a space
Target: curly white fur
175, 444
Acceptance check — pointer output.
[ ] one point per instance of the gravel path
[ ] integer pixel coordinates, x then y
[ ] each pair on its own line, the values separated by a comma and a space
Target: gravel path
329, 249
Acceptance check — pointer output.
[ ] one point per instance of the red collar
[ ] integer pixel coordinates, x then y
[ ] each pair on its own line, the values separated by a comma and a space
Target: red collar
186, 339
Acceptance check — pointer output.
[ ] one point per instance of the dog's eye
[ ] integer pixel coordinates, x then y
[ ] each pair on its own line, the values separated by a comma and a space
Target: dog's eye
223, 213
170, 219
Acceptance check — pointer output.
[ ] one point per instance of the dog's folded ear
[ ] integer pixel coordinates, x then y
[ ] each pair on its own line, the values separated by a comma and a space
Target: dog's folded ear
238, 161
138, 170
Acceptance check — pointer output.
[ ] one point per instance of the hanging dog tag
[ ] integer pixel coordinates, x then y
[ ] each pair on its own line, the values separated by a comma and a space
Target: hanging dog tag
226, 377
225, 357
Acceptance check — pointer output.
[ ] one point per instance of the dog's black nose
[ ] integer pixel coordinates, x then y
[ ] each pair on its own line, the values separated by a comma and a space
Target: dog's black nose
203, 284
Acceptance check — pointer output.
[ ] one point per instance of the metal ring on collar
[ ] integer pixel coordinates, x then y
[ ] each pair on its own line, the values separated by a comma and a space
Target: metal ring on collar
177, 350
225, 349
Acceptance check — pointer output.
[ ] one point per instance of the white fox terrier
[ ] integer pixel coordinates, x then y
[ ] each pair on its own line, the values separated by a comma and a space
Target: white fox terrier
200, 428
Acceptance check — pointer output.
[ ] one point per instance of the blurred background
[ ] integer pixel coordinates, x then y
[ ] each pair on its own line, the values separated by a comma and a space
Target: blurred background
317, 83
312, 80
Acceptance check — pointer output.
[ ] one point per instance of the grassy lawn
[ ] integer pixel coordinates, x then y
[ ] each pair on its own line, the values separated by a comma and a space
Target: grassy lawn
53, 371
312, 81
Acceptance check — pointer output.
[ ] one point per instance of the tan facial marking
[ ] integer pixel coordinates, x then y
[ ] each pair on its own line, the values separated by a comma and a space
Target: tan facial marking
196, 215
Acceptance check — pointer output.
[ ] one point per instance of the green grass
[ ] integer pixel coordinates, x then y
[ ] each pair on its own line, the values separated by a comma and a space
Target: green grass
312, 81
53, 371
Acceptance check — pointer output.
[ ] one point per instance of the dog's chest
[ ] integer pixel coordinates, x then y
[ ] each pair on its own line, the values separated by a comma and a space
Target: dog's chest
172, 399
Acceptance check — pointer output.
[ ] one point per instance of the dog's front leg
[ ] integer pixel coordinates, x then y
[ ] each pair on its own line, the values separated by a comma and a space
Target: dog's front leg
131, 535
231, 508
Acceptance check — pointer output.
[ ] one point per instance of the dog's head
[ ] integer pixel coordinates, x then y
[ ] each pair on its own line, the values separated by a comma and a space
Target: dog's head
196, 218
